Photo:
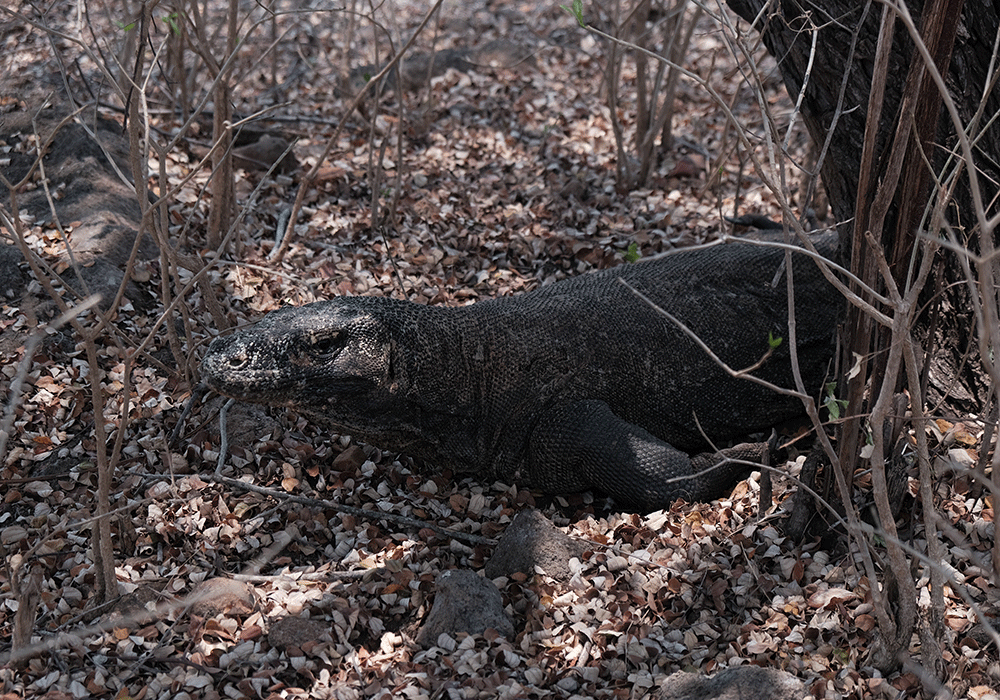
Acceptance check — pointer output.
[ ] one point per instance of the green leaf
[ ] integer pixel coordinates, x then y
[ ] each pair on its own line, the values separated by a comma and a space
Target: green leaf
831, 407
834, 406
632, 254
773, 342
577, 11
171, 21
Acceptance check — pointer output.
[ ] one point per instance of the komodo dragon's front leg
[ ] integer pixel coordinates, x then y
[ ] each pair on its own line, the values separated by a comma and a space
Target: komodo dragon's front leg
583, 444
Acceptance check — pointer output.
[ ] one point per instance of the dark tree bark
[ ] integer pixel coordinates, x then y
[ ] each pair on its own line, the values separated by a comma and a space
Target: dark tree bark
847, 36
877, 178
785, 27
835, 109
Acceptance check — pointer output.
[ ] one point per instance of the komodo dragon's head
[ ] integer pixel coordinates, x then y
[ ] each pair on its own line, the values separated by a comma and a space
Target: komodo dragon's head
367, 366
330, 358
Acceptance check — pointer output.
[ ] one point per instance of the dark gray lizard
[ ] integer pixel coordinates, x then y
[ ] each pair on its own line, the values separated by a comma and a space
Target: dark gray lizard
577, 385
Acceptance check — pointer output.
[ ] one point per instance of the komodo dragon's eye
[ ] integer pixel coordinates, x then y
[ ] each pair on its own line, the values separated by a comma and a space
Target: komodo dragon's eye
238, 361
328, 345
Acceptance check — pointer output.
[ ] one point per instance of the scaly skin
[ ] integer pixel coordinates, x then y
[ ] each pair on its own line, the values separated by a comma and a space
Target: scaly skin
573, 386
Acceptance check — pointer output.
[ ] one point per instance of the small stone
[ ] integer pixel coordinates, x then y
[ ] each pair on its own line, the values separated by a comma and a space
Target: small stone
464, 602
218, 595
134, 609
736, 683
297, 631
532, 541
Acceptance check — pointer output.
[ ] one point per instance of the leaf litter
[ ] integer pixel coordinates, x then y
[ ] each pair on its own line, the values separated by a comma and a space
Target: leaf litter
508, 184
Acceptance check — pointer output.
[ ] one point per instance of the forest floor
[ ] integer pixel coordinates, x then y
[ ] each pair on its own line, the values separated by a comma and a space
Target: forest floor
492, 181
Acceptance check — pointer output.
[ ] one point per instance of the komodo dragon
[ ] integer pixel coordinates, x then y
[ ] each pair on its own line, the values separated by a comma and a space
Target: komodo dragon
577, 385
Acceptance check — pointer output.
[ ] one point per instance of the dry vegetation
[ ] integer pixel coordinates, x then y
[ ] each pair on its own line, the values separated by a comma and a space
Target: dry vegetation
475, 184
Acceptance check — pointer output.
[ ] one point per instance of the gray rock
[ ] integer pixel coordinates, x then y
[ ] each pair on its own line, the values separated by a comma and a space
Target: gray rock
464, 602
135, 609
12, 279
246, 424
221, 595
532, 540
736, 683
297, 631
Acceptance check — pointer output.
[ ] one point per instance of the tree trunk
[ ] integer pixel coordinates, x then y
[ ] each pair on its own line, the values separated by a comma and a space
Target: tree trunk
786, 32
834, 110
876, 175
